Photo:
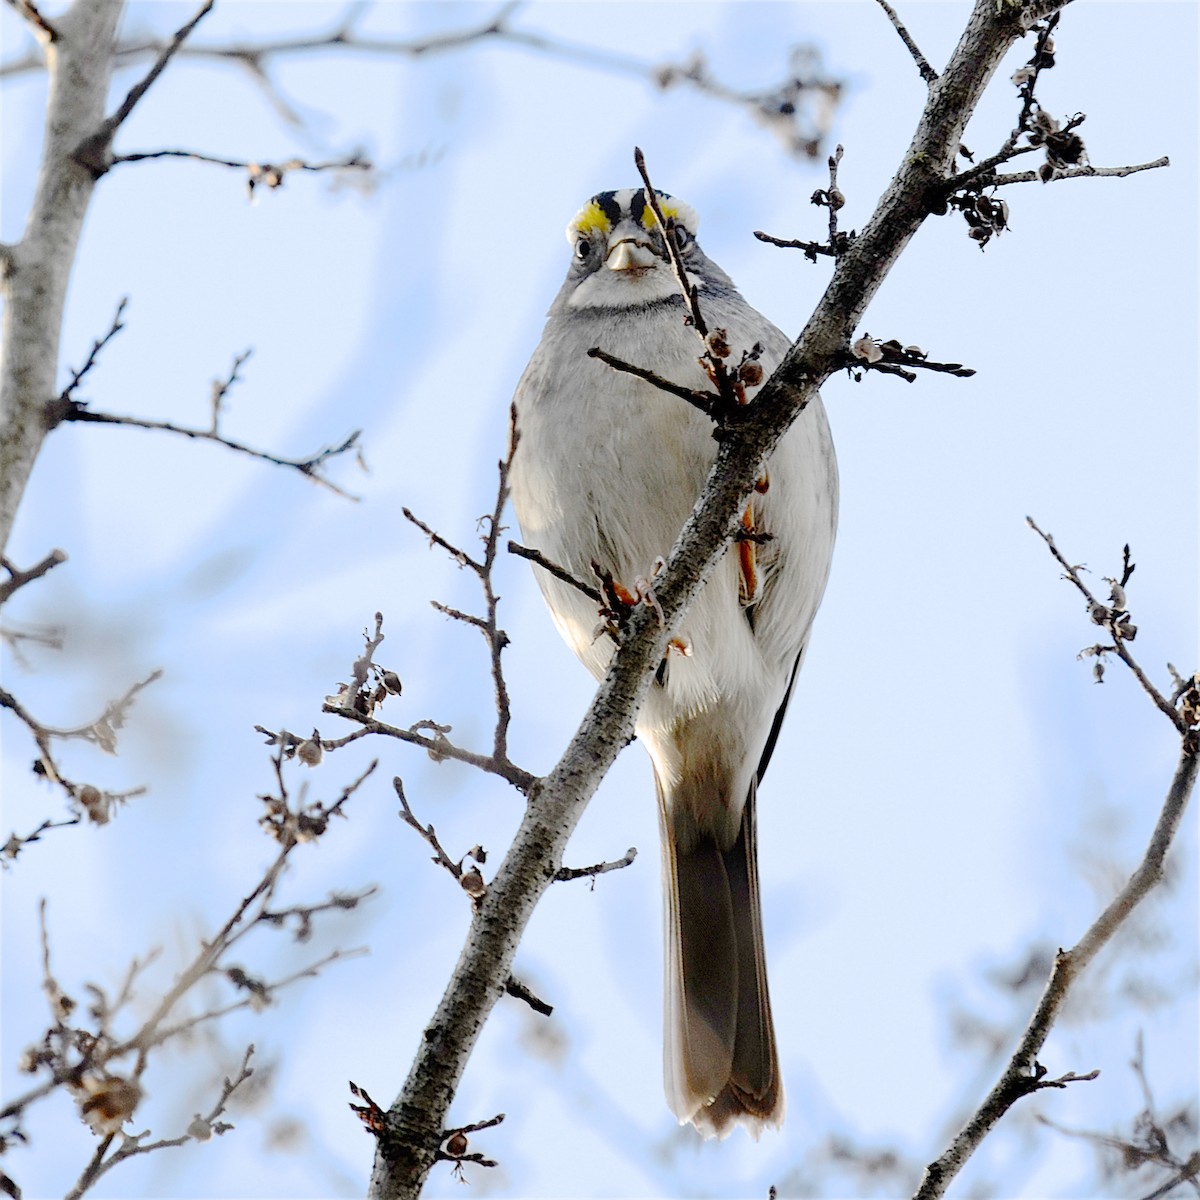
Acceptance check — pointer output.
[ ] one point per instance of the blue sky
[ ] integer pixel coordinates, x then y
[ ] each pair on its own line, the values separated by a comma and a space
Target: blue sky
951, 787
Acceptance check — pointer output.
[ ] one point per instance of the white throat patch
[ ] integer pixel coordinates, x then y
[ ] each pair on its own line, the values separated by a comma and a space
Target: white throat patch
606, 288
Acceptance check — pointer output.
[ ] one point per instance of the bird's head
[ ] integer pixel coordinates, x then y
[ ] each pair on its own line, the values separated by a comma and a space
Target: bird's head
619, 252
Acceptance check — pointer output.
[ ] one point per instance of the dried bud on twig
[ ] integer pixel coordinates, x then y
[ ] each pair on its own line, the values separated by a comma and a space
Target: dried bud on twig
866, 349
471, 882
94, 803
750, 373
199, 1129
718, 343
106, 1102
309, 751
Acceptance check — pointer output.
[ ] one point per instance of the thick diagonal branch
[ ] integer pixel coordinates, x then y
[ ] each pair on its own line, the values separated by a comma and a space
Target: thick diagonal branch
407, 1146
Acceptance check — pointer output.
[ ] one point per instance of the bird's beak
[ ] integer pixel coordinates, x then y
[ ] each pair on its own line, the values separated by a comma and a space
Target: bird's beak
630, 249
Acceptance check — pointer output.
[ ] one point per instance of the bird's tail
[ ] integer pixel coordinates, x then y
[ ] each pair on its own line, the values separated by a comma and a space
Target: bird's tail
719, 1043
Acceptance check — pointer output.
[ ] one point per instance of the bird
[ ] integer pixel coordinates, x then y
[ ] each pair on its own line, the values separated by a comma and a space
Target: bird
606, 468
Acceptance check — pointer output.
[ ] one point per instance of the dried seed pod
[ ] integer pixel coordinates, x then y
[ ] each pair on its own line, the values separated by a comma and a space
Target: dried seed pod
718, 344
472, 883
310, 752
199, 1129
866, 349
106, 1102
750, 373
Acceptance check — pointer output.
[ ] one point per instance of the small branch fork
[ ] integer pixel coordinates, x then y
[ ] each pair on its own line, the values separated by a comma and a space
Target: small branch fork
1024, 1074
1148, 1142
452, 1143
66, 408
831, 198
96, 151
18, 578
1113, 617
369, 686
1065, 156
201, 1128
469, 879
730, 385
729, 398
84, 798
82, 1050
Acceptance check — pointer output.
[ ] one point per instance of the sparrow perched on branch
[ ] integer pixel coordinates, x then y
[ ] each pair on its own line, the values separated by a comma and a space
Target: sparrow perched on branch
607, 469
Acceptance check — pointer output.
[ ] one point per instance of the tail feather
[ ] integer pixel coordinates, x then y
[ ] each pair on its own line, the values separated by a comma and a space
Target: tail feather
721, 1063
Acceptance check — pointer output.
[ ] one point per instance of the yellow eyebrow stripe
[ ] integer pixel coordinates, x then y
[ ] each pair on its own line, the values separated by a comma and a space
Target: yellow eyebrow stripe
592, 219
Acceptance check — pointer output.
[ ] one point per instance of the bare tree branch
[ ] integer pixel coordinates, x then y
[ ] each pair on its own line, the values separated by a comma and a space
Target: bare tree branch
1023, 1074
1086, 171
707, 402
77, 377
536, 556
310, 466
1111, 619
565, 874
82, 1060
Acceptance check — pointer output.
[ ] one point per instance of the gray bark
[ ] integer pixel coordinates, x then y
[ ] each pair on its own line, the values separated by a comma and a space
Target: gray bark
37, 269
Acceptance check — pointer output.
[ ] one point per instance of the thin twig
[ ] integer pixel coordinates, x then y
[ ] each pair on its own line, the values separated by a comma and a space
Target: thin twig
519, 991
713, 364
427, 832
811, 249
497, 639
200, 1129
77, 377
1086, 171
706, 402
261, 174
560, 573
143, 85
15, 844
309, 466
564, 874
483, 568
927, 72
1119, 642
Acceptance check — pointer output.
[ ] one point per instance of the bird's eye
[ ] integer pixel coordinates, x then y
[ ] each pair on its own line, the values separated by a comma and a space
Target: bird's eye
683, 238
583, 248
